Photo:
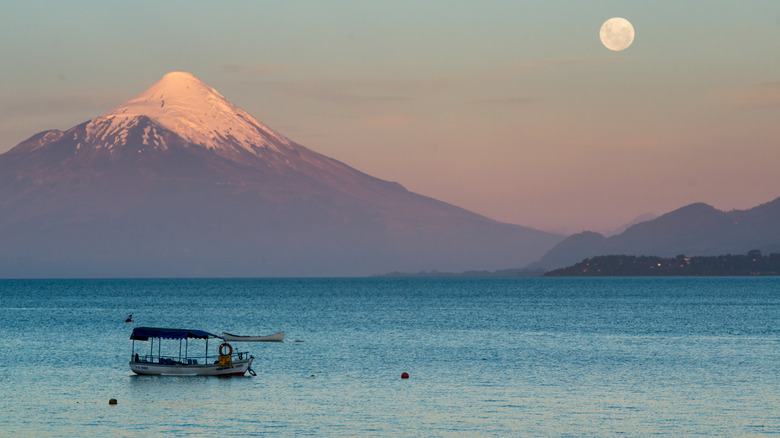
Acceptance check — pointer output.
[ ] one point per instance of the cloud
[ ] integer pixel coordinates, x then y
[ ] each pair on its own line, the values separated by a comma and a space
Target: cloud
758, 95
21, 117
547, 63
509, 74
387, 121
252, 69
505, 101
57, 104
347, 97
344, 92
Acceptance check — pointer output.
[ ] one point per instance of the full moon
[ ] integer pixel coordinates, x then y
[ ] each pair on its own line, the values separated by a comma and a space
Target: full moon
616, 34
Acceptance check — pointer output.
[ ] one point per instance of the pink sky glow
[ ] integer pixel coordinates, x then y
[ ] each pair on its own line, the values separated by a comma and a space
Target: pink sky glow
514, 110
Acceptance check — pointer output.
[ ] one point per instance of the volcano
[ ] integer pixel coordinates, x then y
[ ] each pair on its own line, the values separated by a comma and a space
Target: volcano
180, 182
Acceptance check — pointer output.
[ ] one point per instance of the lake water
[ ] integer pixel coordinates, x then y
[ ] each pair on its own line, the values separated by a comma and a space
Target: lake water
486, 357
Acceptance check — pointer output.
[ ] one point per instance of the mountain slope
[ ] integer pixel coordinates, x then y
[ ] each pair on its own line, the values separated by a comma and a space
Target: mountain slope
693, 230
178, 181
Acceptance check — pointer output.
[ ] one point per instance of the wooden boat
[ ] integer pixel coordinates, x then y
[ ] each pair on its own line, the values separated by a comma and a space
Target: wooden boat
226, 363
276, 337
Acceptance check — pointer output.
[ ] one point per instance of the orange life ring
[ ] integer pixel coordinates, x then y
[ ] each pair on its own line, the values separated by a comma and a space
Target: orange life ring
230, 349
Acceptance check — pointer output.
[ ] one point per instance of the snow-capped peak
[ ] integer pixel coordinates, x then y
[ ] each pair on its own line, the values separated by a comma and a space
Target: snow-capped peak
196, 112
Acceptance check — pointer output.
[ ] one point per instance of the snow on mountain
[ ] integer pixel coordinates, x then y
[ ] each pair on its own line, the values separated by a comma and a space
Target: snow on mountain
199, 114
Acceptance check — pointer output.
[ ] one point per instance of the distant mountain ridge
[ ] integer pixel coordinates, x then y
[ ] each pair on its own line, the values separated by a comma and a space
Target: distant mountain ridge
179, 182
638, 220
694, 230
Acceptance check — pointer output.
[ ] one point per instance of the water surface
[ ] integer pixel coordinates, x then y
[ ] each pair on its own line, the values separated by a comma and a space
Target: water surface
487, 357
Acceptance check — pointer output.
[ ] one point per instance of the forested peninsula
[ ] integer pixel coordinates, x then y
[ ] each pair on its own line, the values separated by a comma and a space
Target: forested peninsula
754, 263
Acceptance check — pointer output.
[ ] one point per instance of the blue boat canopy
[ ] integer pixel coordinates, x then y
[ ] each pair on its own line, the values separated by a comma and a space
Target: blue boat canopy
144, 333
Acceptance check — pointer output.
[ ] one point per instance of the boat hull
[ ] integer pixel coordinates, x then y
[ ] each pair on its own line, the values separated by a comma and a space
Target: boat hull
276, 337
237, 368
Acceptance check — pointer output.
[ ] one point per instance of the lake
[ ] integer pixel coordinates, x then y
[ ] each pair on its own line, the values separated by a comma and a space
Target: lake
486, 357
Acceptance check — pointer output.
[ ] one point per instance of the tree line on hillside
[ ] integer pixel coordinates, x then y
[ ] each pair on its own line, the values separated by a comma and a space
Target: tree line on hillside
754, 263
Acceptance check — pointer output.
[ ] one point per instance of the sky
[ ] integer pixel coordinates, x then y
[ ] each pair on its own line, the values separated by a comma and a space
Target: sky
511, 109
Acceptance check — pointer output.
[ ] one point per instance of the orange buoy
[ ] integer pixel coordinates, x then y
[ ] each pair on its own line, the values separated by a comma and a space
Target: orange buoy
405, 375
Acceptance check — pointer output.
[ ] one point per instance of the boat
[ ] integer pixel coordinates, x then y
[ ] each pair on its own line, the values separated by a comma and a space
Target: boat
150, 362
276, 337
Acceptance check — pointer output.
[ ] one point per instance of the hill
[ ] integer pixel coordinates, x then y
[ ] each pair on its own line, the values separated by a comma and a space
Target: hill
696, 230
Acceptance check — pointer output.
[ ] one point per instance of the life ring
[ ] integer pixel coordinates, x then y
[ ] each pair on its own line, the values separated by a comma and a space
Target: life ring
230, 349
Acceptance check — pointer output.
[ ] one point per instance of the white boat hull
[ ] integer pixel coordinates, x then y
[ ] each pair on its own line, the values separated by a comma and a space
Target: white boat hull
237, 368
276, 337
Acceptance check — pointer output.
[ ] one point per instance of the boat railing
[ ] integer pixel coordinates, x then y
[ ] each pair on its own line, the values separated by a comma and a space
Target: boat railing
189, 360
